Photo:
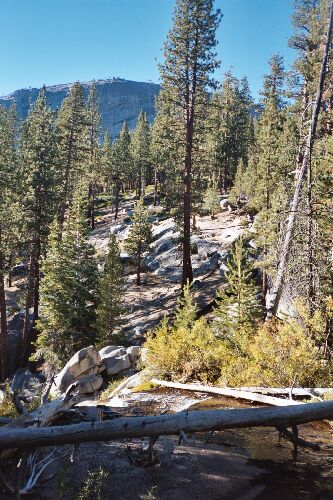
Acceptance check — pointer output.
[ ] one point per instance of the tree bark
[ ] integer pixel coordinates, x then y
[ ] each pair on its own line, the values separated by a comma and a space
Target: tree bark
168, 424
274, 299
3, 321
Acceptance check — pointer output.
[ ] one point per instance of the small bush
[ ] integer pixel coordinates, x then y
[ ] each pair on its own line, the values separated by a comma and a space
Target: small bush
7, 407
185, 352
93, 484
113, 384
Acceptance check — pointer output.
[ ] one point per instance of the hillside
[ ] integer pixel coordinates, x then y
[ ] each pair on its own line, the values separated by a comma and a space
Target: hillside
120, 100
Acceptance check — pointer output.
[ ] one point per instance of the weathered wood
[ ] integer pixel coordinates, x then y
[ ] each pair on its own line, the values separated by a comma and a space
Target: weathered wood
48, 413
196, 421
232, 393
284, 391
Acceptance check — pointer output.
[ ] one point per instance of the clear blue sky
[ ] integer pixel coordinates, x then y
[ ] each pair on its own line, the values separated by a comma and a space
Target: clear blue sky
60, 41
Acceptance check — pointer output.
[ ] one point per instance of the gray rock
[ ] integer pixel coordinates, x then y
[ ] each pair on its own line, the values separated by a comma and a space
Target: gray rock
112, 351
120, 100
134, 353
90, 384
174, 274
28, 385
2, 396
117, 228
85, 362
117, 364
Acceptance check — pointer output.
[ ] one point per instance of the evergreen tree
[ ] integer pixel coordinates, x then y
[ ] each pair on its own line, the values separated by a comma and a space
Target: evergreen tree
270, 177
211, 201
110, 308
189, 59
139, 237
72, 125
68, 288
93, 137
9, 218
38, 169
238, 308
140, 149
121, 165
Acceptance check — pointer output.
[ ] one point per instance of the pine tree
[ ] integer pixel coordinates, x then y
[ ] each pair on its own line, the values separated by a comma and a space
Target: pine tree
211, 201
111, 289
238, 308
186, 311
269, 175
9, 218
38, 169
139, 237
189, 59
72, 123
140, 149
121, 164
68, 287
93, 167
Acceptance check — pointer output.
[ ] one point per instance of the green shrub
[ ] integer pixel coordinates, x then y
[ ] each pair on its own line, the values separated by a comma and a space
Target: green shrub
93, 484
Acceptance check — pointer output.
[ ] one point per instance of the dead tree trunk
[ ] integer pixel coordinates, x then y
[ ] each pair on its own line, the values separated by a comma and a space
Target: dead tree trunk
275, 295
168, 424
3, 322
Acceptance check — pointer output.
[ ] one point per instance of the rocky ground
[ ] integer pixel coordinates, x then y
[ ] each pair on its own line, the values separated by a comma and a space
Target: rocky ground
159, 292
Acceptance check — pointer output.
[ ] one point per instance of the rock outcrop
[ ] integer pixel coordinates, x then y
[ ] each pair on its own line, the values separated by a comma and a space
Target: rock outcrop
120, 100
85, 363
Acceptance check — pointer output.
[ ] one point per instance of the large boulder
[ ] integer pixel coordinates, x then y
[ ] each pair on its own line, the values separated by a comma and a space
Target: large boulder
90, 384
115, 359
111, 351
134, 353
117, 364
28, 385
85, 362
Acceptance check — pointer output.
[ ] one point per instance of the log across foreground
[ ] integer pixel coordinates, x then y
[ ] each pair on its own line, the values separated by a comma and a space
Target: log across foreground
195, 421
230, 393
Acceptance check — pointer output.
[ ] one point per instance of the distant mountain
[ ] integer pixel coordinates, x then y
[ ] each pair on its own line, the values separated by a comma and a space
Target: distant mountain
120, 100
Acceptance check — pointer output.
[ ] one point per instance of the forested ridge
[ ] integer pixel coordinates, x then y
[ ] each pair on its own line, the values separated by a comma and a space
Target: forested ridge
211, 147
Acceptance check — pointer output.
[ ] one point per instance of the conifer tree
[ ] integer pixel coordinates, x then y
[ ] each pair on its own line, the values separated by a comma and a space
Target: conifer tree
139, 237
268, 172
211, 201
72, 125
106, 163
38, 168
189, 59
68, 287
238, 307
121, 165
140, 149
93, 137
111, 289
9, 218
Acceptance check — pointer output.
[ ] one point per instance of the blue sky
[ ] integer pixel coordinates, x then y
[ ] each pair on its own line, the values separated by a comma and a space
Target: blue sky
60, 41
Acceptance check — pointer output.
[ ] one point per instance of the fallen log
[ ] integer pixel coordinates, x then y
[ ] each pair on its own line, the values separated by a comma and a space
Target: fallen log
284, 391
167, 424
232, 393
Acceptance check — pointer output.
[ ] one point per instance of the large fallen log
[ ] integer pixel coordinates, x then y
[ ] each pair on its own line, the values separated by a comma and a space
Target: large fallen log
195, 421
232, 393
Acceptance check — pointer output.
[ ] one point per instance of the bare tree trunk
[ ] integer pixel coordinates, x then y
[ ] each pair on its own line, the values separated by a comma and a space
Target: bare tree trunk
274, 299
155, 187
138, 271
3, 322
